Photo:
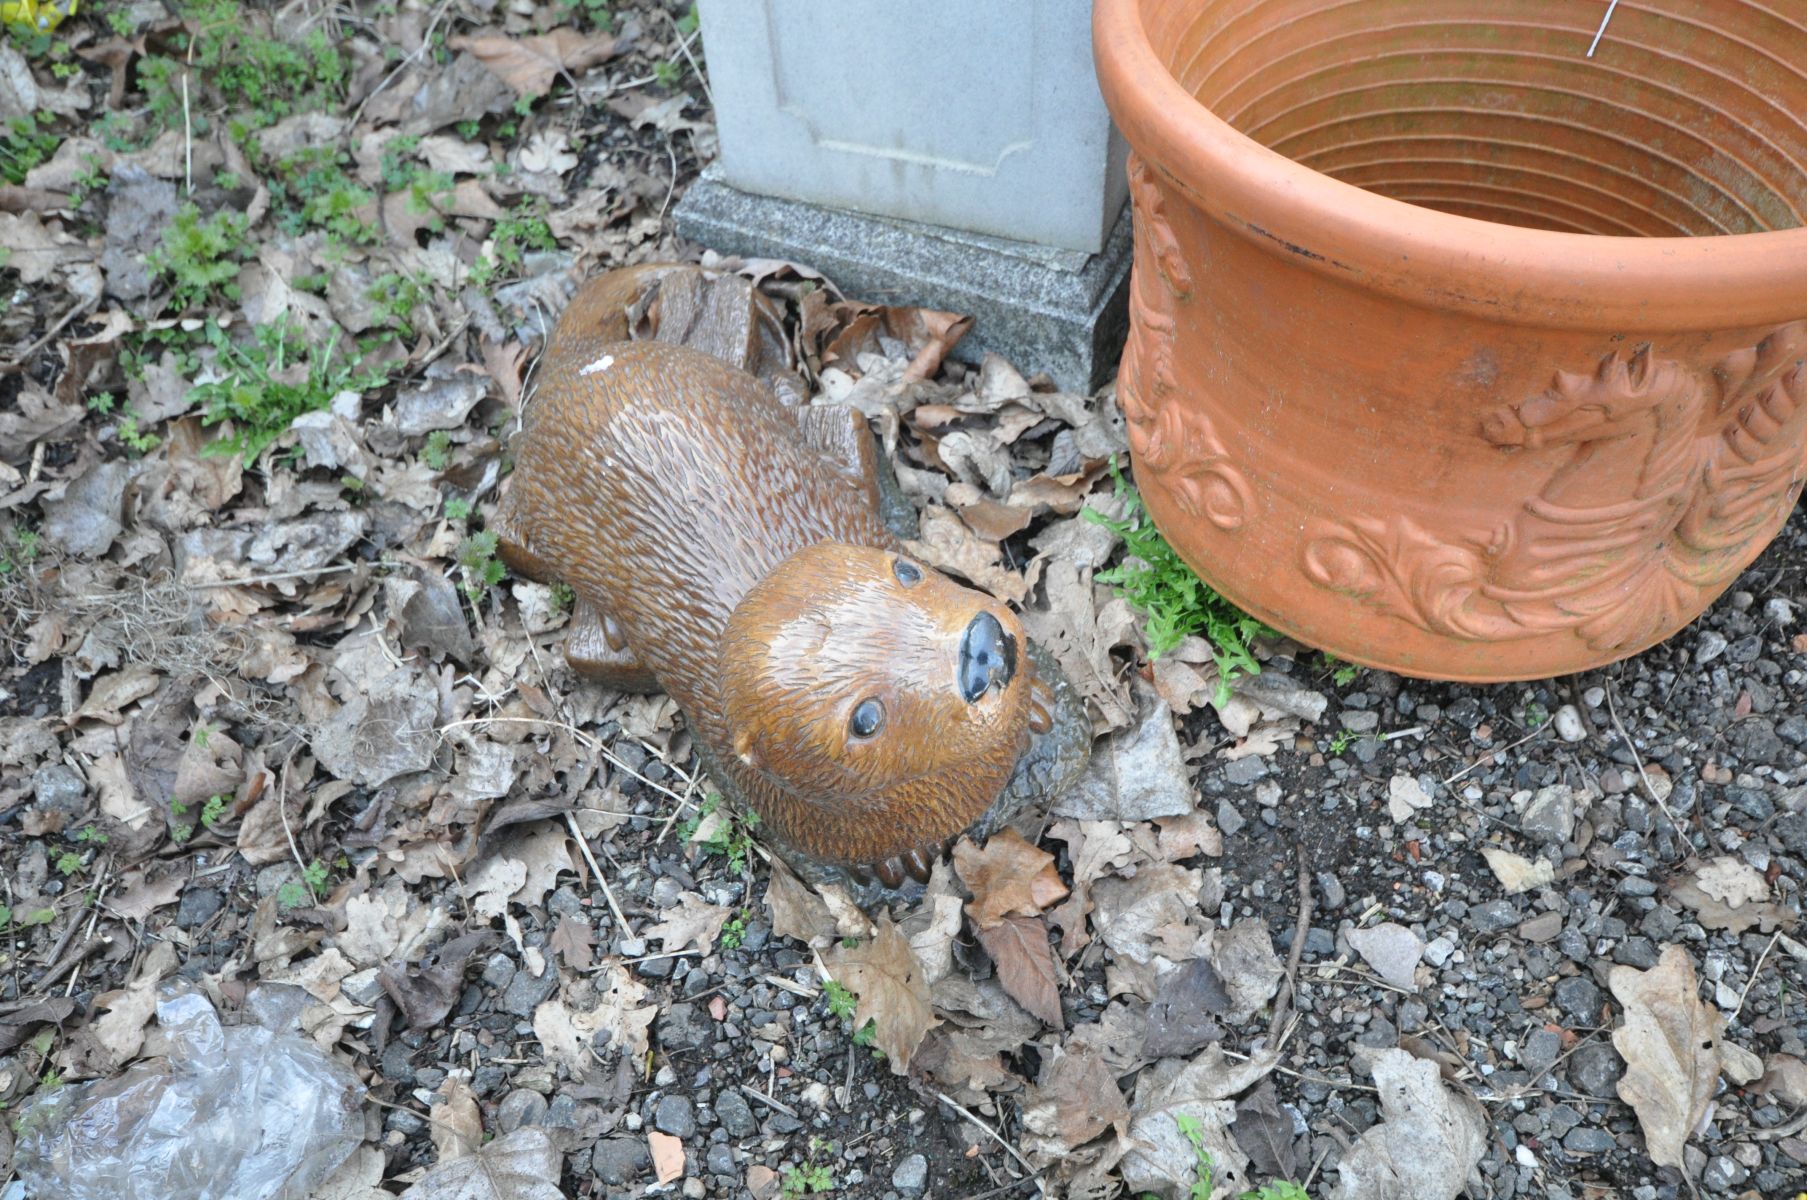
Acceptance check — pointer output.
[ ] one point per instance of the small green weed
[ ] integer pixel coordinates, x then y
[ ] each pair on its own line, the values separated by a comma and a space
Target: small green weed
311, 190
482, 569
842, 1004
68, 862
311, 889
428, 191
594, 13
24, 144
1204, 1179
513, 237
254, 394
1205, 1171
811, 1178
435, 453
200, 258
396, 297
457, 508
734, 931
1535, 715
1344, 739
1341, 673
1174, 601
563, 597
732, 837
841, 1001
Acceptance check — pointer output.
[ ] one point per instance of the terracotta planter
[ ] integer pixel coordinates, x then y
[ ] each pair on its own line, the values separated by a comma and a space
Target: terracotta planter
1454, 351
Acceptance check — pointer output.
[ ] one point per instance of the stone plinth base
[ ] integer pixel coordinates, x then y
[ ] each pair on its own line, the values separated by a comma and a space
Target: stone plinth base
1060, 311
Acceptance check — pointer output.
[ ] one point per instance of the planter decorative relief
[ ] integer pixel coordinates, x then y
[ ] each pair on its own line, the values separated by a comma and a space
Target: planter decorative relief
1454, 351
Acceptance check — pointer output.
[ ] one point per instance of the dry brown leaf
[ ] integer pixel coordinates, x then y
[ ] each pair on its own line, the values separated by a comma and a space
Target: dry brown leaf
1008, 877
1075, 1099
573, 941
620, 1008
1429, 1143
457, 1125
892, 992
524, 1165
1019, 947
796, 911
694, 920
115, 1037
1670, 1044
1728, 893
530, 64
668, 1155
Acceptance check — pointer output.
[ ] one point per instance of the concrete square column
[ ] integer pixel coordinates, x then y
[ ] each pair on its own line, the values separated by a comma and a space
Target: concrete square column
942, 152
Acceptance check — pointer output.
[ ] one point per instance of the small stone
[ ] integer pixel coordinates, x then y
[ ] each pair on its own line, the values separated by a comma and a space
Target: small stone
695, 1189
1360, 720
1245, 771
1579, 999
675, 1116
1595, 1069
1549, 815
1585, 1139
1639, 952
620, 1160
199, 905
498, 971
1779, 611
1568, 724
520, 1107
1438, 950
735, 1114
911, 1175
1392, 950
1723, 1174
1495, 916
1330, 888
1542, 928
1710, 646
1229, 821
1540, 1051
1594, 697
720, 1160
526, 993
58, 787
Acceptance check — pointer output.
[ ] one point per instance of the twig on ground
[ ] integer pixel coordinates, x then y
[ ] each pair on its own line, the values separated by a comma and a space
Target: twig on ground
995, 1136
608, 893
1482, 761
760, 1096
1755, 971
1289, 982
1612, 710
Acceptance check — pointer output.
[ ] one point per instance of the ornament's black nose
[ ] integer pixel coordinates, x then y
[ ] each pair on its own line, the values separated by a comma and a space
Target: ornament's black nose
987, 657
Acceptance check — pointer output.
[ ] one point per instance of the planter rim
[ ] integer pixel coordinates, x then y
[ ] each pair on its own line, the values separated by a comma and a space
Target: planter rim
1432, 258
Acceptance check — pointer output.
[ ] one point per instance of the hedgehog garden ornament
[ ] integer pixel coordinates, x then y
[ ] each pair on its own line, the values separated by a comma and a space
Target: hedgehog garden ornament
726, 546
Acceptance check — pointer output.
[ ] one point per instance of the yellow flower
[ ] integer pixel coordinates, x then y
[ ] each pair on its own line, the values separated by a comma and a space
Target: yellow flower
36, 16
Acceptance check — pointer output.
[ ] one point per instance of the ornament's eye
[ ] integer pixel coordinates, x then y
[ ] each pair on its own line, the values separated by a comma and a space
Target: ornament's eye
866, 719
908, 573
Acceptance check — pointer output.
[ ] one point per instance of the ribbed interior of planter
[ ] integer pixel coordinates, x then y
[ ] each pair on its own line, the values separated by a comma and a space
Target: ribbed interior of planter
1690, 119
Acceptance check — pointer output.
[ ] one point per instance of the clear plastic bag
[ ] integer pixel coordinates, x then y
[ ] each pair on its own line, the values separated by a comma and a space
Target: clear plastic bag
254, 1112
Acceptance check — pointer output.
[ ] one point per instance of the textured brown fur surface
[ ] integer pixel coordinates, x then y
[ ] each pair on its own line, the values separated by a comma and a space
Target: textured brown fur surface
751, 578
